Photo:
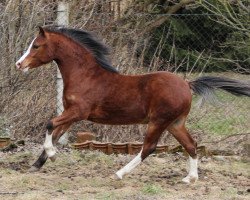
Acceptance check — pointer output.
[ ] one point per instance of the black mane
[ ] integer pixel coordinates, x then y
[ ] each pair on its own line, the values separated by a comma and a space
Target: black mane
87, 40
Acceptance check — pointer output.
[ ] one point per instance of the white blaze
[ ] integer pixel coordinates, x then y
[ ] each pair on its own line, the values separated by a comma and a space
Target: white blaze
193, 171
131, 165
48, 145
24, 56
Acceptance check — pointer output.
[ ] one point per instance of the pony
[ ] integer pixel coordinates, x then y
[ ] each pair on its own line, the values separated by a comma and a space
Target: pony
94, 90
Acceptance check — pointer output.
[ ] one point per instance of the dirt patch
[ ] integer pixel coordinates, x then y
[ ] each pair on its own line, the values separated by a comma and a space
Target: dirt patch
89, 175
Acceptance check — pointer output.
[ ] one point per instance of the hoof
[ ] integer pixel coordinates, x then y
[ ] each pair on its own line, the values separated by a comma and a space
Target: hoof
190, 179
53, 158
33, 169
118, 176
114, 177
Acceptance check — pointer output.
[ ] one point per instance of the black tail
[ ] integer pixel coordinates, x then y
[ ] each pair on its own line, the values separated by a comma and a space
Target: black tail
206, 85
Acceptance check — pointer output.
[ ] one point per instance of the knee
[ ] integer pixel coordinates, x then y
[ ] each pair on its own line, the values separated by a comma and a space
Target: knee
49, 126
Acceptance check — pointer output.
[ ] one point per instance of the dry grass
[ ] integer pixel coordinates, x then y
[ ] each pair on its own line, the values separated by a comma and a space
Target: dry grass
88, 175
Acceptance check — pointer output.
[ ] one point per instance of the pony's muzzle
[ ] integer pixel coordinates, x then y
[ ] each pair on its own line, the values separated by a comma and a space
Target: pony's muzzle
18, 65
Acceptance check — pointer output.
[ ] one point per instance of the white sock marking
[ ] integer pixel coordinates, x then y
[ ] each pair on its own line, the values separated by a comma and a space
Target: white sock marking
193, 171
131, 165
25, 54
48, 145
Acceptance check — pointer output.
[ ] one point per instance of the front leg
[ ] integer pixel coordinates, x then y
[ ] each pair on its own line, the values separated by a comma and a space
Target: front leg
48, 146
56, 134
67, 117
64, 120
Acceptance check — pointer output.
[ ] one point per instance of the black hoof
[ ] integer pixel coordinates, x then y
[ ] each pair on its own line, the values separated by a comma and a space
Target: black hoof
33, 169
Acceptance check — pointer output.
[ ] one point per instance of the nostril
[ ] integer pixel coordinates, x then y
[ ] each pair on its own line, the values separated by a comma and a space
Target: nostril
18, 65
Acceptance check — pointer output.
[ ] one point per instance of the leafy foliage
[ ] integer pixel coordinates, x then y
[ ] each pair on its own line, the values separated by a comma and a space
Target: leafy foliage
197, 39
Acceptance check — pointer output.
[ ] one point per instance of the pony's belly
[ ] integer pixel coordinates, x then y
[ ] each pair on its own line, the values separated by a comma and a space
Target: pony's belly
120, 112
118, 120
108, 122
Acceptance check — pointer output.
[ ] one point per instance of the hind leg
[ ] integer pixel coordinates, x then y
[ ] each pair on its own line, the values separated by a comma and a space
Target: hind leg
153, 134
179, 131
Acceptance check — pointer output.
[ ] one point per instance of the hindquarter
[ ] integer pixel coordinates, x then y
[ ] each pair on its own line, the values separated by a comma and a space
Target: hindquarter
171, 97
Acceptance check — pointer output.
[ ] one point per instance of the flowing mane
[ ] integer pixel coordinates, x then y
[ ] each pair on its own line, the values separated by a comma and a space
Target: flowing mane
87, 40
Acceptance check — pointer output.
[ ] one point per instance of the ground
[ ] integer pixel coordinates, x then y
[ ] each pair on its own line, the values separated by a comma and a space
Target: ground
90, 175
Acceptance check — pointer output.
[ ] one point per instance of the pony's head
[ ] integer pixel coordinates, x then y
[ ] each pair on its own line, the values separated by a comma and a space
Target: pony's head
38, 53
58, 43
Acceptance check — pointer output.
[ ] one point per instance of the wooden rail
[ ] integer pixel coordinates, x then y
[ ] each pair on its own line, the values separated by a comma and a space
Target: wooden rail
134, 148
116, 148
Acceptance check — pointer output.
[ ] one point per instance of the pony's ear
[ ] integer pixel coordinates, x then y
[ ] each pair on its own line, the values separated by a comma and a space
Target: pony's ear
41, 31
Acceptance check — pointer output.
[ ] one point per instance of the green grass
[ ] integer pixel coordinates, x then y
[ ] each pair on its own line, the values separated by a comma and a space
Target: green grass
229, 192
15, 158
229, 116
95, 156
106, 196
152, 189
63, 186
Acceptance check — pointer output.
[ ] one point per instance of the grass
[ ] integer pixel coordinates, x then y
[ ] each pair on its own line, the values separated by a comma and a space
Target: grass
63, 186
59, 180
228, 117
229, 192
90, 156
152, 189
234, 166
106, 196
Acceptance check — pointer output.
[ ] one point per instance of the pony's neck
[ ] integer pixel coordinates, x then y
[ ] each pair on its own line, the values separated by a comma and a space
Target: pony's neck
74, 60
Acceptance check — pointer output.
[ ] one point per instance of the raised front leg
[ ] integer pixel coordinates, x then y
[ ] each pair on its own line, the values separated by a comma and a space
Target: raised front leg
49, 147
56, 134
39, 163
67, 117
59, 124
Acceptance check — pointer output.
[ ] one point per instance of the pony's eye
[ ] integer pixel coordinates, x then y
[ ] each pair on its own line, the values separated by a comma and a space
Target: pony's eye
35, 46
